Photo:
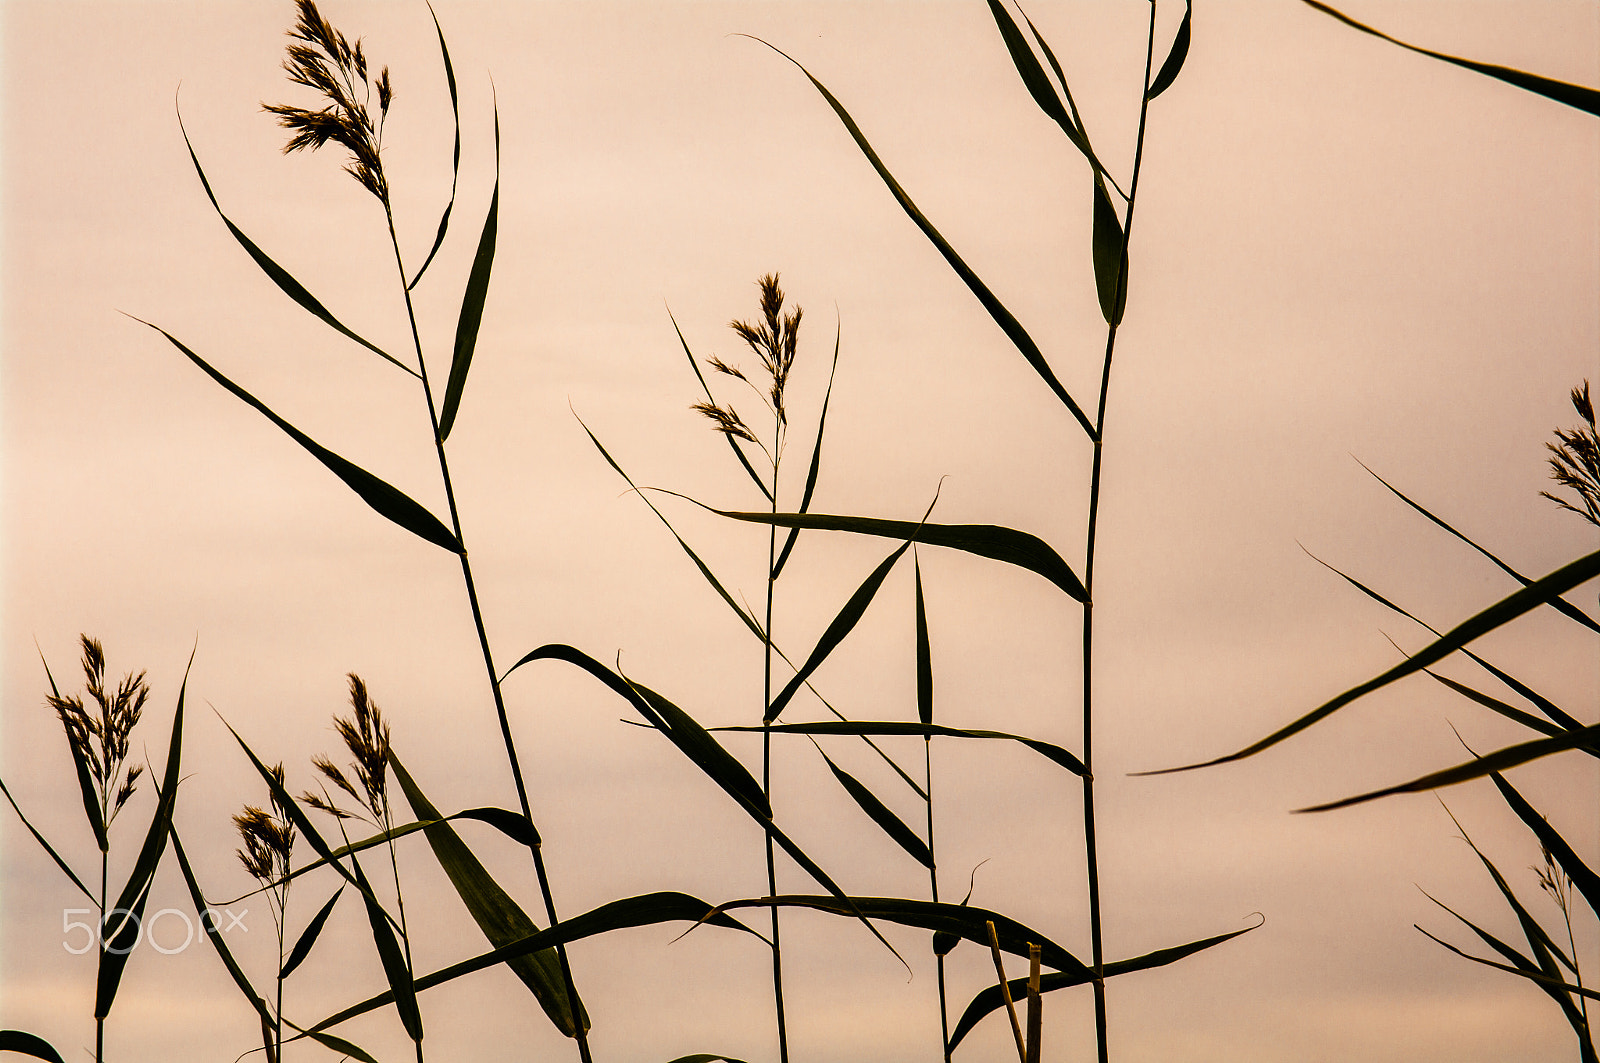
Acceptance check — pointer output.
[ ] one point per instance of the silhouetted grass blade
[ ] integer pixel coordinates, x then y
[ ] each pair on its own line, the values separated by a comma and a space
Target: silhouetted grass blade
1582, 876
733, 443
816, 462
28, 1044
394, 961
455, 153
1110, 276
213, 933
990, 999
924, 654
1530, 975
1510, 712
1002, 317
704, 1057
882, 815
472, 301
280, 276
836, 631
897, 727
496, 914
1174, 62
1584, 99
1502, 612
91, 802
1033, 76
986, 540
513, 825
119, 933
385, 499
62, 864
1509, 757
706, 752
308, 936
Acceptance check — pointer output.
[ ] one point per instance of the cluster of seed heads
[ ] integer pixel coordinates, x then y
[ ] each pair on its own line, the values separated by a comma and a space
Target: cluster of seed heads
268, 837
1575, 461
366, 736
99, 737
325, 60
773, 339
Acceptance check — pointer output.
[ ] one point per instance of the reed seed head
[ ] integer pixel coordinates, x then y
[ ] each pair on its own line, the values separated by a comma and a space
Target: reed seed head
1575, 460
773, 339
726, 419
268, 837
366, 736
99, 735
323, 59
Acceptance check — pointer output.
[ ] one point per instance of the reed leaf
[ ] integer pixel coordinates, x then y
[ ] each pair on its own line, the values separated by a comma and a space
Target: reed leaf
496, 914
991, 999
1002, 317
1072, 107
733, 443
1110, 267
308, 936
1510, 712
513, 825
1175, 57
276, 273
394, 962
118, 940
1502, 612
816, 462
1584, 99
455, 153
472, 301
704, 1057
924, 653
1531, 975
28, 1044
62, 864
925, 730
882, 815
1033, 77
213, 933
388, 501
91, 803
1581, 874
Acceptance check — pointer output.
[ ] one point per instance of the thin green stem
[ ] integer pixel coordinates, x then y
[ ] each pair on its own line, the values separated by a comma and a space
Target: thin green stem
99, 1020
933, 891
400, 902
1091, 849
766, 749
534, 845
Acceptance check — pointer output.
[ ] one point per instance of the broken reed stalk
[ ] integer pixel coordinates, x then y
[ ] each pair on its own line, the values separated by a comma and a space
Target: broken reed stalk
1005, 991
1035, 1005
1091, 851
933, 891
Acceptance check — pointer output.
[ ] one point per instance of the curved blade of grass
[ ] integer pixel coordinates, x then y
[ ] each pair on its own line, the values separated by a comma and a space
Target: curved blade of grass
472, 301
1584, 99
28, 1044
1072, 107
394, 961
1510, 712
119, 939
645, 910
496, 914
704, 1057
986, 540
1502, 612
1002, 317
276, 273
1034, 78
925, 730
513, 825
1532, 976
1509, 757
455, 154
836, 631
1560, 604
1110, 272
1543, 946
213, 933
881, 814
308, 937
816, 461
91, 803
385, 499
1174, 62
732, 443
1581, 874
924, 654
62, 864
990, 1000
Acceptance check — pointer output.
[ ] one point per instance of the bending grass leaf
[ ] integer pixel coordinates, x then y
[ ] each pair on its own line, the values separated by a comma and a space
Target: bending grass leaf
816, 460
1502, 612
881, 814
62, 864
1002, 317
925, 730
924, 653
118, 945
1584, 99
28, 1044
1072, 107
732, 443
704, 1057
472, 301
455, 154
1531, 975
91, 803
308, 937
496, 914
991, 999
388, 501
1510, 757
1033, 77
1174, 63
1510, 712
1582, 876
394, 962
280, 276
986, 540
1110, 251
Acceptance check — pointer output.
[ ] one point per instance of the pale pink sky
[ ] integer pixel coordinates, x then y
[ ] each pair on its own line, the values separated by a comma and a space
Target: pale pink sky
1341, 249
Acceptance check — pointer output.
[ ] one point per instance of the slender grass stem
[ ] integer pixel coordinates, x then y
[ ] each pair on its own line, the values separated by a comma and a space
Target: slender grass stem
766, 747
1091, 851
400, 903
99, 1020
933, 891
534, 846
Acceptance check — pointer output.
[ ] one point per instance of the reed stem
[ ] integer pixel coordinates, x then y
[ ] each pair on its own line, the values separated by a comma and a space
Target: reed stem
766, 748
933, 891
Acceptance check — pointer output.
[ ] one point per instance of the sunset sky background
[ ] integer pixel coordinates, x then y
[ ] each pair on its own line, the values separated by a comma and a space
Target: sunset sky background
1342, 251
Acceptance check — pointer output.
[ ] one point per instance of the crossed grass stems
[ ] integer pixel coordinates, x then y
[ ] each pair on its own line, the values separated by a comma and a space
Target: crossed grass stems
324, 60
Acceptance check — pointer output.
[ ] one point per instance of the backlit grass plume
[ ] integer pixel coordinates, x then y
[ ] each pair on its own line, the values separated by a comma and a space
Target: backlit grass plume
269, 838
99, 737
1575, 460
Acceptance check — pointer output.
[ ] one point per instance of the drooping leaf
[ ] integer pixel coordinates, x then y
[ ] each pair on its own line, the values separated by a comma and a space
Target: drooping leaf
1110, 272
119, 933
28, 1044
1582, 876
455, 153
213, 933
997, 310
62, 864
1033, 77
1502, 612
1532, 975
388, 501
704, 1057
1510, 712
513, 825
1175, 57
1584, 99
816, 462
496, 914
924, 655
924, 730
733, 443
882, 815
91, 803
308, 936
990, 1000
394, 961
1072, 107
276, 273
472, 301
